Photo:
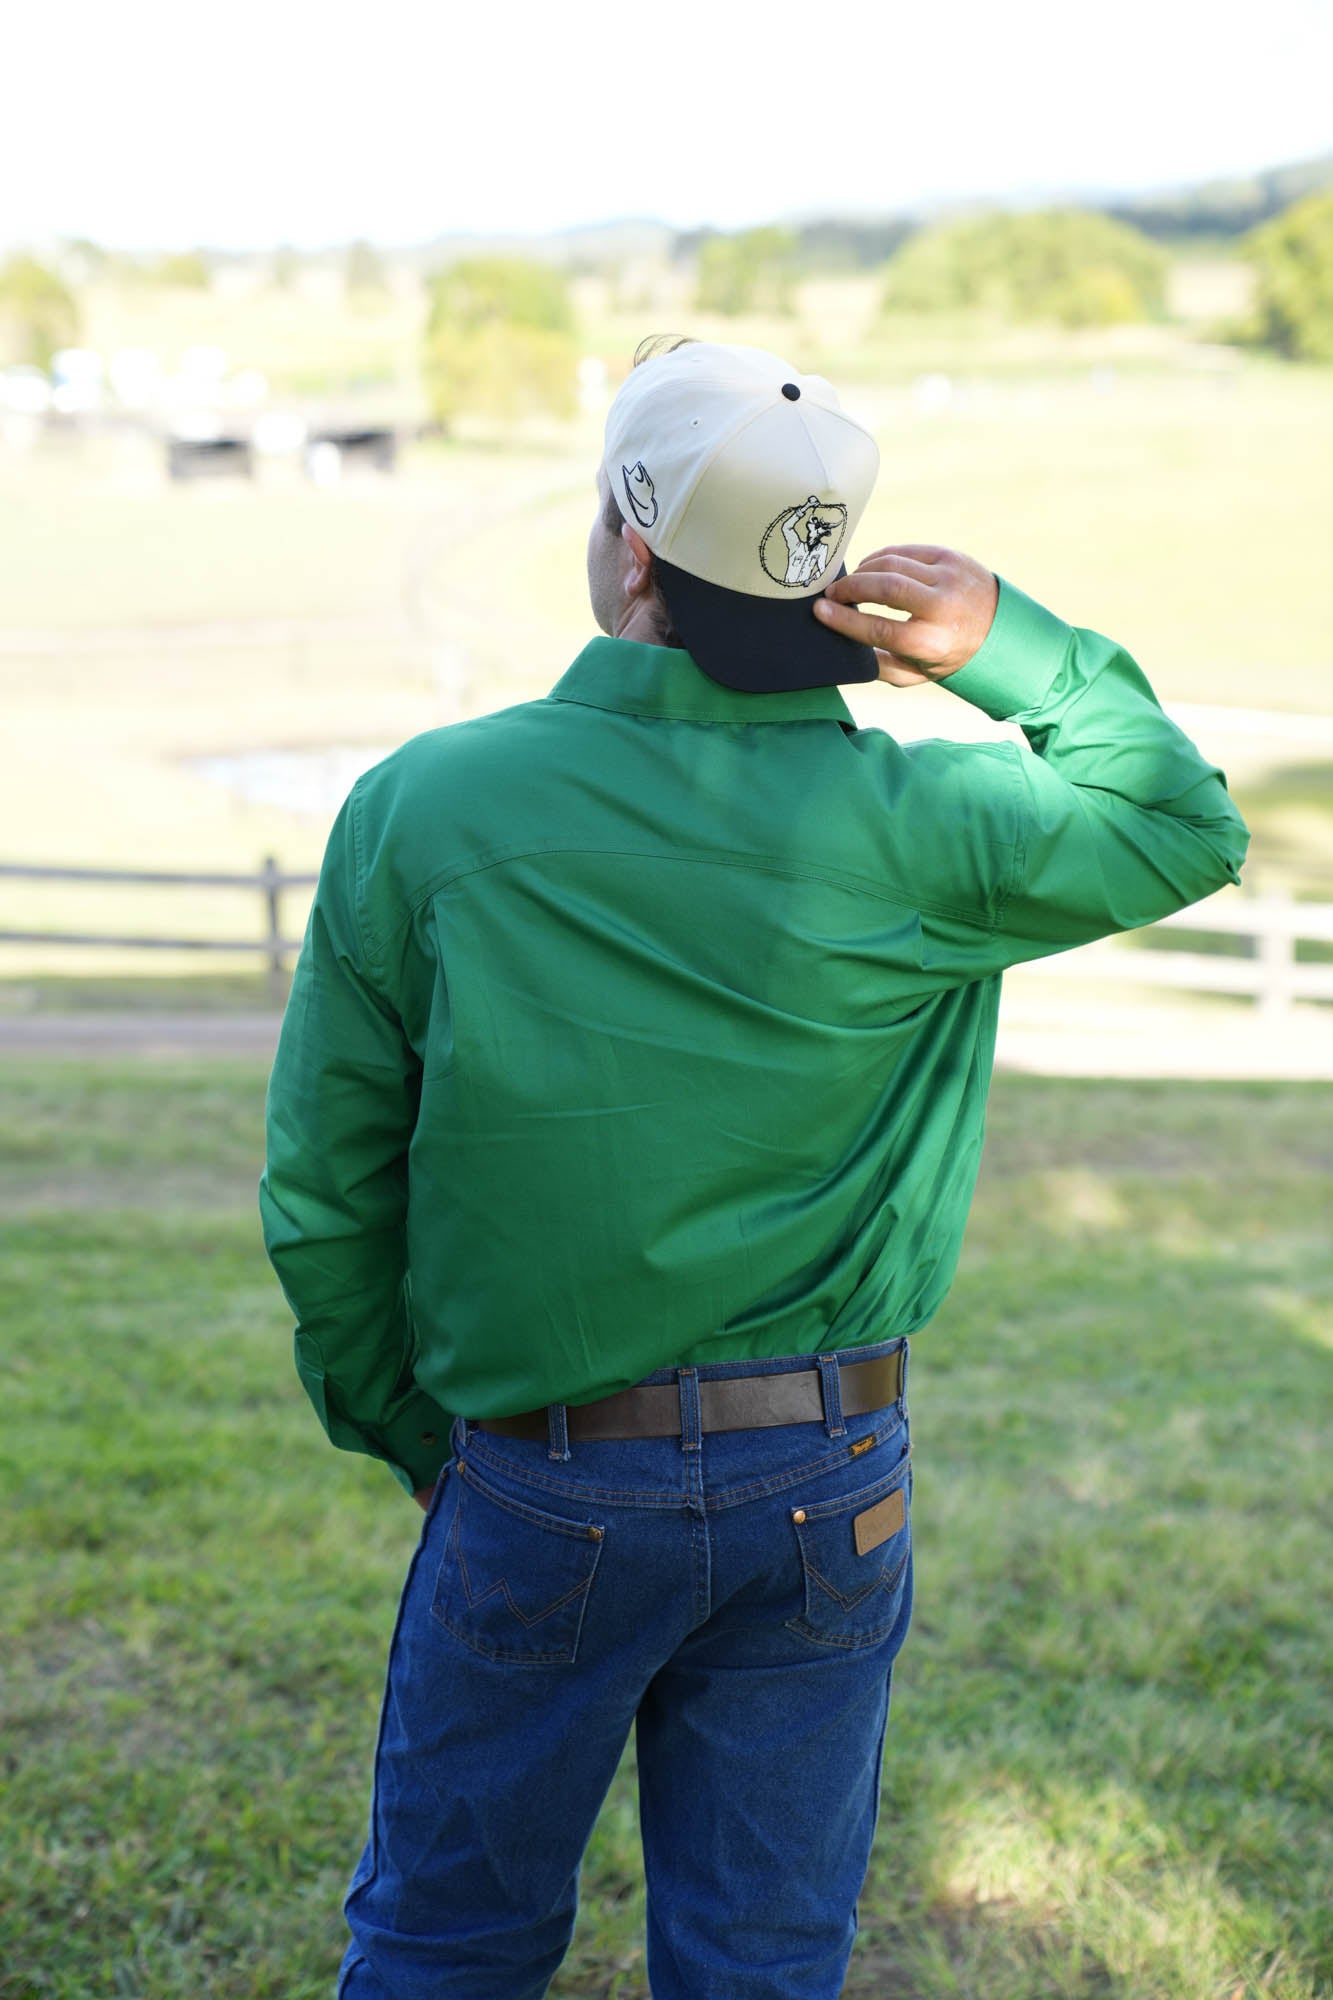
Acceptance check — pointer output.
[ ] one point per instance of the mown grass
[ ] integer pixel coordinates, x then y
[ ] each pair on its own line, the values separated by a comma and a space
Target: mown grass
1105, 1773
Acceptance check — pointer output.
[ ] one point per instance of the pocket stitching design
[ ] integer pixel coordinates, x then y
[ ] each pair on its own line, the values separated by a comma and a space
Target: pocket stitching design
845, 1507
502, 1584
884, 1581
477, 1642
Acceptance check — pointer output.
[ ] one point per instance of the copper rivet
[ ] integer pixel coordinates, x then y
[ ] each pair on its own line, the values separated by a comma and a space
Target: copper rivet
799, 1515
594, 1534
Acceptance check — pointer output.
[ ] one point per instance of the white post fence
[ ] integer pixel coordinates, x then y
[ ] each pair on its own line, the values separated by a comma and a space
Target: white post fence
1273, 975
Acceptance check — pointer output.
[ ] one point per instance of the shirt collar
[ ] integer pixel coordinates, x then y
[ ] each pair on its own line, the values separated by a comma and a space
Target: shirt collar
635, 679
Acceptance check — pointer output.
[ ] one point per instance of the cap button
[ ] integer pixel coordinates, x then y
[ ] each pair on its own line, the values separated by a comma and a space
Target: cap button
791, 392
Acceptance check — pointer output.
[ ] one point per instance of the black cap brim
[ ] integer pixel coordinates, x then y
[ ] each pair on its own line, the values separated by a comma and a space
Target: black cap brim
761, 645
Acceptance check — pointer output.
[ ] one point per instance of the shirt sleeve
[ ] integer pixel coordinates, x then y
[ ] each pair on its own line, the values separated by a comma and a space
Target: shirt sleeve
1118, 819
342, 1104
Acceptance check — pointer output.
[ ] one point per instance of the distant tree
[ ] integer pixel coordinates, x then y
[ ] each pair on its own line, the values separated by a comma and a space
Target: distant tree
38, 312
1069, 265
478, 292
832, 245
754, 271
1219, 209
500, 340
184, 270
363, 270
1293, 259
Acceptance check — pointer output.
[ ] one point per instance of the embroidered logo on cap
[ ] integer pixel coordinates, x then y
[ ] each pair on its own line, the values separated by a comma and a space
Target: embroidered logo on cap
639, 492
799, 545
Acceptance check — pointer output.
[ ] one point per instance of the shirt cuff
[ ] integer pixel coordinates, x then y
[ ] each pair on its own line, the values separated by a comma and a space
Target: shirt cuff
415, 1441
1013, 668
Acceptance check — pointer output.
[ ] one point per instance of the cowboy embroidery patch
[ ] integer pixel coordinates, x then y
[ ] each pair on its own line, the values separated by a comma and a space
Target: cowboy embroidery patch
800, 544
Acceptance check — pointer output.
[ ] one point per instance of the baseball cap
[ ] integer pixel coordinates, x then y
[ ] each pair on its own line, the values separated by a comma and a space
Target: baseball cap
746, 478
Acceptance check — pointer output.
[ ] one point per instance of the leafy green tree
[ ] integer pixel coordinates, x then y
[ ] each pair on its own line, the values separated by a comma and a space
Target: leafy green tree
1070, 265
754, 271
479, 292
500, 340
38, 312
1293, 259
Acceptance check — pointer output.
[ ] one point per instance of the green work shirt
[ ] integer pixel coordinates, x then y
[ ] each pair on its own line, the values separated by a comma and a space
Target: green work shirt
651, 1023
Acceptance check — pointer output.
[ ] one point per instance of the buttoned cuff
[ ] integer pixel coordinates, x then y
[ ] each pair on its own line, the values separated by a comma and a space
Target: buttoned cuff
415, 1441
1013, 669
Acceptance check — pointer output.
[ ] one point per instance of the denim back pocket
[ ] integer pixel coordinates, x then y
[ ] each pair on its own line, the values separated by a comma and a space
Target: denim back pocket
513, 1581
853, 1554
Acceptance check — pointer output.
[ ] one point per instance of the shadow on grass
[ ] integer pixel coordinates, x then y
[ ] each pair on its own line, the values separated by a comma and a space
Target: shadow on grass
995, 1949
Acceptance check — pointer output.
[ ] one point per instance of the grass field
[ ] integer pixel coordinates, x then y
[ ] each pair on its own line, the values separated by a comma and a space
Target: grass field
1107, 1773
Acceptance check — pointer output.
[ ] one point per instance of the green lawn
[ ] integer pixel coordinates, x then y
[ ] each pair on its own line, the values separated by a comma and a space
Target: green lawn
1106, 1776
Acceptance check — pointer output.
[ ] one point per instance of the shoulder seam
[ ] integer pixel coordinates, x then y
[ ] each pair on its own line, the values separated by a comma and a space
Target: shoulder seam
858, 884
1018, 861
370, 951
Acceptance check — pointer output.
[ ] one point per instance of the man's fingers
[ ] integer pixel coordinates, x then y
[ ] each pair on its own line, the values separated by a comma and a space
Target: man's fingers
928, 553
894, 587
897, 560
892, 635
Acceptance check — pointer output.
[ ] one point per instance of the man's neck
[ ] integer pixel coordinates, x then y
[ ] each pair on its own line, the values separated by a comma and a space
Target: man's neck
644, 621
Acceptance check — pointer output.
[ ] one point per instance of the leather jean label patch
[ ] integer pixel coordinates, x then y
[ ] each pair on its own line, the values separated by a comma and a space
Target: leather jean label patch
879, 1522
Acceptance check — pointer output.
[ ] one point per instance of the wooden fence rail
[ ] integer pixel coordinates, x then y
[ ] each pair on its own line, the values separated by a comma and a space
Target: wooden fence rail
270, 883
1274, 975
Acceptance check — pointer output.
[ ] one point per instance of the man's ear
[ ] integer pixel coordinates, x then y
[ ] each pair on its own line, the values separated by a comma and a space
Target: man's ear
639, 577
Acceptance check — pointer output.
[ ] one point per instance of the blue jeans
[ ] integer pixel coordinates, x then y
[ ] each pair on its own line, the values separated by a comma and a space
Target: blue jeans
715, 1591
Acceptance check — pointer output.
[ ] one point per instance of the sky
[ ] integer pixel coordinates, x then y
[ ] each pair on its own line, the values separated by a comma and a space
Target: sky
155, 125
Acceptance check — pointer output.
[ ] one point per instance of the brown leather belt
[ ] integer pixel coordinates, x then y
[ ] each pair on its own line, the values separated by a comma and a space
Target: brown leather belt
734, 1403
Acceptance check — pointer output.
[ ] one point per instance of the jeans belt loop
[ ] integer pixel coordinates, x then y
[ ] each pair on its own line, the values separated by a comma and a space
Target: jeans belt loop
557, 1431
831, 1385
691, 1437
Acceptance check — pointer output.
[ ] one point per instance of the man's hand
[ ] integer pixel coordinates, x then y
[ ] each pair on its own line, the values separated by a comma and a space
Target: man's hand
949, 598
422, 1497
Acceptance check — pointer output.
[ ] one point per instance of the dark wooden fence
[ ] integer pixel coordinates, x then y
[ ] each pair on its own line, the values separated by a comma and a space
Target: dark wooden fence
270, 883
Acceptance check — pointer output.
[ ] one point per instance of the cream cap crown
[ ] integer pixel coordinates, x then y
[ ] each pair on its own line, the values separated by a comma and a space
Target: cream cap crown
739, 469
